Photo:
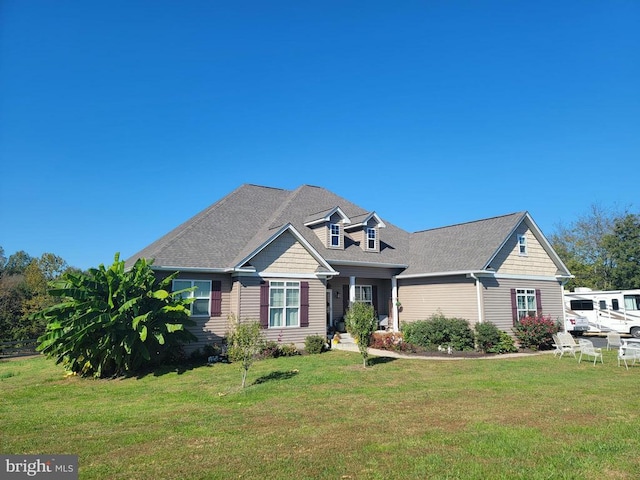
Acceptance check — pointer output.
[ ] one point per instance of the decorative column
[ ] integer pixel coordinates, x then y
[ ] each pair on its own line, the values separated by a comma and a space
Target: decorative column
394, 303
352, 289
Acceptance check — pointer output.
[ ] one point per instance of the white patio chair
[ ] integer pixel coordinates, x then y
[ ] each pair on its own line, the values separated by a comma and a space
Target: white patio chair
613, 340
587, 348
561, 347
568, 343
628, 353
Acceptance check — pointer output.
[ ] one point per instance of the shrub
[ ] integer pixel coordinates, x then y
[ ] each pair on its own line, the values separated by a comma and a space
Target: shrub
490, 339
288, 350
439, 330
392, 341
535, 332
314, 344
272, 349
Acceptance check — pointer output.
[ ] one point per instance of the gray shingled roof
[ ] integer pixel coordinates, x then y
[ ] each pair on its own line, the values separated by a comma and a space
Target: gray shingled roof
463, 247
228, 231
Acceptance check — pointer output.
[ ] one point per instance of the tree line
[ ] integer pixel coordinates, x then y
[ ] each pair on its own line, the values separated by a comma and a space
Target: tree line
24, 290
601, 249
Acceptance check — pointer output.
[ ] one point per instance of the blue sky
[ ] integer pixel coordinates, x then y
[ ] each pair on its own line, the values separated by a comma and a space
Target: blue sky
119, 120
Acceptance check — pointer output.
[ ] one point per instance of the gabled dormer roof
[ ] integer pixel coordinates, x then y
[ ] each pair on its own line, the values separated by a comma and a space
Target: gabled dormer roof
325, 216
359, 221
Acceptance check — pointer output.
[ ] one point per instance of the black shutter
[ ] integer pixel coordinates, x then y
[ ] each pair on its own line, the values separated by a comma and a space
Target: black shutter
264, 305
374, 298
345, 298
304, 304
538, 302
514, 306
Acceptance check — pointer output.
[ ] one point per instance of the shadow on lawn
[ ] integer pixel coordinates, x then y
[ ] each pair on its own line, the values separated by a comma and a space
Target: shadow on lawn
279, 375
380, 360
161, 370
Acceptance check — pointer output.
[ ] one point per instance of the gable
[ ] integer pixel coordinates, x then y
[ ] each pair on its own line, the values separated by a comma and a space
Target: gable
536, 261
285, 254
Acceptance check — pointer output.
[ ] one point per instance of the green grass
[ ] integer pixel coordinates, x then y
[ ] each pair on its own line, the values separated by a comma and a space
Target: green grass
324, 416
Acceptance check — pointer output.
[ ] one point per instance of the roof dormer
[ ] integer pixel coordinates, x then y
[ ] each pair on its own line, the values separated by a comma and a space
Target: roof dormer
329, 225
365, 229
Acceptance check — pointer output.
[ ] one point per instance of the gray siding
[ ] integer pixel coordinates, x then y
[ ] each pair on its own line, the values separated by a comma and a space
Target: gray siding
497, 299
209, 330
453, 296
250, 300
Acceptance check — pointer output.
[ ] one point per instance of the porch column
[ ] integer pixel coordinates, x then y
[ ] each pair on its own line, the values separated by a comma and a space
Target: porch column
394, 303
352, 289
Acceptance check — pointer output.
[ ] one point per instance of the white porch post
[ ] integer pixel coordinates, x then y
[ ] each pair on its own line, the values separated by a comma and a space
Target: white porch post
394, 303
352, 289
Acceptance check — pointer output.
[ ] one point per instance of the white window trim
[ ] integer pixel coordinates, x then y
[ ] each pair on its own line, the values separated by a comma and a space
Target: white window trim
526, 293
192, 295
334, 235
359, 288
375, 238
287, 285
523, 247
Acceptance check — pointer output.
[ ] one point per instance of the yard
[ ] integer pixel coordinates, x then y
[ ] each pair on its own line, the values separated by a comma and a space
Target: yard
324, 416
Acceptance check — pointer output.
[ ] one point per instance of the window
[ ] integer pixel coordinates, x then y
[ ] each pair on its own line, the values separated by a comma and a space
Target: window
602, 304
371, 239
526, 301
202, 295
522, 244
581, 305
364, 294
614, 304
335, 235
632, 302
284, 304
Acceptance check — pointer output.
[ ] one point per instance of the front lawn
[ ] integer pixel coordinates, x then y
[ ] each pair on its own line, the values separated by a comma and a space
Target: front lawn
324, 416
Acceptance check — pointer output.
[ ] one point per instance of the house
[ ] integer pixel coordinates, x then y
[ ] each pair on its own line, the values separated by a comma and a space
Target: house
295, 259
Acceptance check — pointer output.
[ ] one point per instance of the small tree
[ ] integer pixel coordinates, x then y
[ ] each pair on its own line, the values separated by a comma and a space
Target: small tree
244, 343
361, 322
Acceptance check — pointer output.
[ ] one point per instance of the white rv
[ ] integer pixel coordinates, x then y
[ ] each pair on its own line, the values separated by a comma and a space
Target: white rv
606, 311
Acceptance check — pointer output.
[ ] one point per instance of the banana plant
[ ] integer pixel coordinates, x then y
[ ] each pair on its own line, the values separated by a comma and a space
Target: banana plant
111, 321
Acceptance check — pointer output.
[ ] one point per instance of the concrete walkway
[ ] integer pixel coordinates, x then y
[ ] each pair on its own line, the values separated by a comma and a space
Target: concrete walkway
374, 352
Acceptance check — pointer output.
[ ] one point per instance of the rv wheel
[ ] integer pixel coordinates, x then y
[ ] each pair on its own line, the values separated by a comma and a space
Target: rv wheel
635, 332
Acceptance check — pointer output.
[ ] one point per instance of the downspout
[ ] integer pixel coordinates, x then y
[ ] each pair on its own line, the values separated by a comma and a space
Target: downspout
478, 293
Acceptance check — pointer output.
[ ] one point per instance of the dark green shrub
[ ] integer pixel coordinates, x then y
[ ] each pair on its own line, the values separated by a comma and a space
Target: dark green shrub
490, 339
272, 349
314, 344
535, 332
439, 330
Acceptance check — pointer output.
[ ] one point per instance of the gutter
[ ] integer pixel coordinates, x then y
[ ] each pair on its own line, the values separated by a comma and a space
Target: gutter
441, 274
366, 264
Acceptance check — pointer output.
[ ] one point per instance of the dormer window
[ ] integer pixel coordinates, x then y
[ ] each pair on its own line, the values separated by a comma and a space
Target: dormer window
372, 239
335, 235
